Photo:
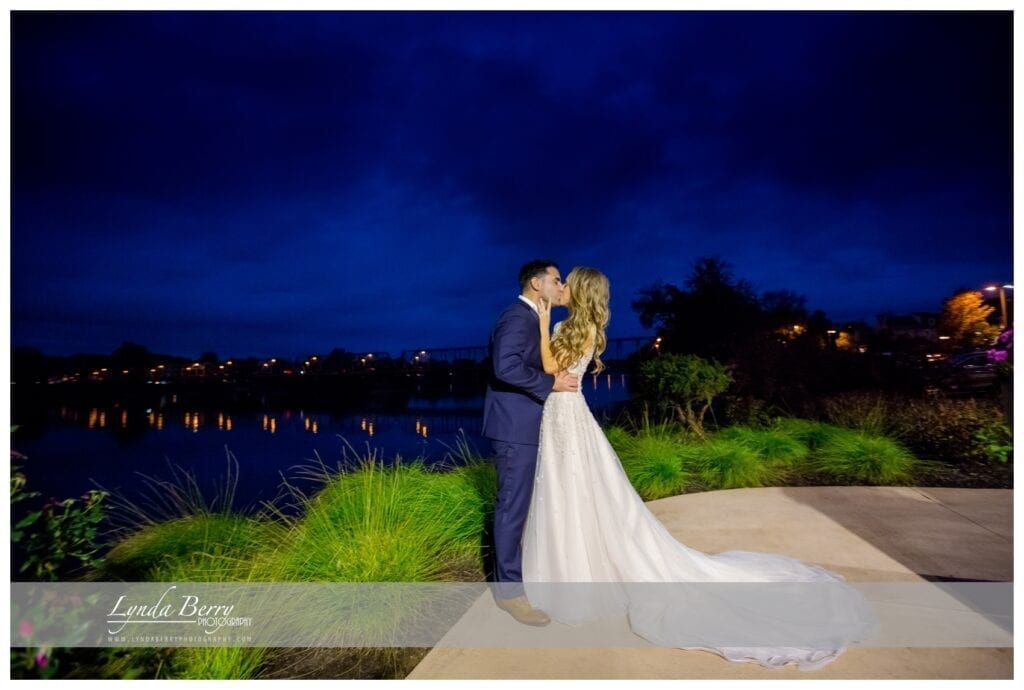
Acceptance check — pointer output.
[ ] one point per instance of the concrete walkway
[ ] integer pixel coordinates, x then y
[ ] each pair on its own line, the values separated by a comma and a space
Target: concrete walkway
868, 534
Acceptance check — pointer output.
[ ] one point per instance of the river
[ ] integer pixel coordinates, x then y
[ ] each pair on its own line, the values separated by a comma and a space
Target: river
71, 449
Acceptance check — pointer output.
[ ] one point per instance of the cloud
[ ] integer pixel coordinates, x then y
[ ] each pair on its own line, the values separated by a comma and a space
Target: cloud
376, 179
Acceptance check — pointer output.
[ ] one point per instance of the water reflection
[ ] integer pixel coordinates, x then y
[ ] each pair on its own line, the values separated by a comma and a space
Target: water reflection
156, 420
422, 424
403, 431
608, 381
224, 422
367, 426
421, 428
193, 420
112, 443
97, 418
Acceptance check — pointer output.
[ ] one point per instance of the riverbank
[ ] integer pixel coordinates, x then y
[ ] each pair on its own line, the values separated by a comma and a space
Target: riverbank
407, 522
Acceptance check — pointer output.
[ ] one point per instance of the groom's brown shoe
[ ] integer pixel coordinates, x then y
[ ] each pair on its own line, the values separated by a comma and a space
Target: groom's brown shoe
520, 609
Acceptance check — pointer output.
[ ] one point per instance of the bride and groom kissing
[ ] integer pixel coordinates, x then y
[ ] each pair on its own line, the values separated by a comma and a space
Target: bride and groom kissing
566, 511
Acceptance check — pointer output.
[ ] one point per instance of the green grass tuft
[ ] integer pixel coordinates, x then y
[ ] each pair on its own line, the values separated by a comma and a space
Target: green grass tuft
810, 433
865, 458
771, 444
654, 467
209, 543
722, 463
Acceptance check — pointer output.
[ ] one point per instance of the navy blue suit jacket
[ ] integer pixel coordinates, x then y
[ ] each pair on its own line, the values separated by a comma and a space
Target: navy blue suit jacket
518, 385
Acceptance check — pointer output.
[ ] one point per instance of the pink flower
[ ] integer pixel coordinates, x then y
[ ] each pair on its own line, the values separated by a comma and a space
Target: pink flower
25, 628
997, 355
41, 658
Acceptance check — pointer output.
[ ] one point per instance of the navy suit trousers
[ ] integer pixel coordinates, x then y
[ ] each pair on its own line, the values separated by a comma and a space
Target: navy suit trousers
516, 464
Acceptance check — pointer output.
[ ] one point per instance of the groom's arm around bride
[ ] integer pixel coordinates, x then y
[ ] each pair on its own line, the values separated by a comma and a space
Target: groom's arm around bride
518, 385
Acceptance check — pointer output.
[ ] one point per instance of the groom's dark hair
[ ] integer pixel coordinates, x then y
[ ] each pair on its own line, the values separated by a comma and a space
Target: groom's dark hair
534, 269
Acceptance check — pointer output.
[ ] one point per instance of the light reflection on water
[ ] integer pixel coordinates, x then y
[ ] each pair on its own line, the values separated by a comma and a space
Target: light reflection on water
602, 391
113, 446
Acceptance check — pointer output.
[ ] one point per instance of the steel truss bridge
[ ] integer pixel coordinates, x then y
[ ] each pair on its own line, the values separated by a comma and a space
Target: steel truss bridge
618, 349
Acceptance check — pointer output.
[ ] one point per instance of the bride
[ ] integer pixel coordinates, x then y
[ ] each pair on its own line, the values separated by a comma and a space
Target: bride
592, 550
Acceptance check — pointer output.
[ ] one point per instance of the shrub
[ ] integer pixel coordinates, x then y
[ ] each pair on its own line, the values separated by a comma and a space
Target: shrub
933, 428
998, 440
686, 384
60, 538
864, 411
950, 430
746, 410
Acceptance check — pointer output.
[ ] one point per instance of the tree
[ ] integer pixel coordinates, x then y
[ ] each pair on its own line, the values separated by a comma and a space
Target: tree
711, 317
29, 364
338, 360
682, 383
783, 308
965, 320
131, 354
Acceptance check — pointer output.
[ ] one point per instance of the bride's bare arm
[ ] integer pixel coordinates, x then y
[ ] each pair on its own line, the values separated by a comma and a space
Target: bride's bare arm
550, 365
546, 357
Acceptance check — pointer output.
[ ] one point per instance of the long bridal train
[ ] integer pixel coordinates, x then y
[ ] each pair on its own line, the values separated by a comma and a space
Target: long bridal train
592, 550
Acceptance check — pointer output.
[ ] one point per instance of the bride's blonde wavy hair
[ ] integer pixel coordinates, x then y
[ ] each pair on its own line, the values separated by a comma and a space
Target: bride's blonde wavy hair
588, 310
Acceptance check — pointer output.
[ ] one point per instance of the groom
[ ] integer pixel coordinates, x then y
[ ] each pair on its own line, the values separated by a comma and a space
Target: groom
515, 397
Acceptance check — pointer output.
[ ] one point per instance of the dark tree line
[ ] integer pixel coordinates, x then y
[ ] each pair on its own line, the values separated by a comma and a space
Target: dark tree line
774, 349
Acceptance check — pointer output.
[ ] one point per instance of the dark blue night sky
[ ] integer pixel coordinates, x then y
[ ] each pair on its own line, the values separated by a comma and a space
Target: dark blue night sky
285, 183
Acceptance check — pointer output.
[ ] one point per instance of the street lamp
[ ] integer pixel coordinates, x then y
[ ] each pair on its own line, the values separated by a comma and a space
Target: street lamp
1002, 301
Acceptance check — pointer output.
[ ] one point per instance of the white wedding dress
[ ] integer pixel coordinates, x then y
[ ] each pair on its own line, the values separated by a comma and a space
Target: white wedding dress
592, 551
